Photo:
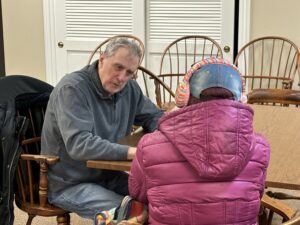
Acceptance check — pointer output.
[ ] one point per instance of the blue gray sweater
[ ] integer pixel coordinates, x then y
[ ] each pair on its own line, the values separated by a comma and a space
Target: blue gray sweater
82, 122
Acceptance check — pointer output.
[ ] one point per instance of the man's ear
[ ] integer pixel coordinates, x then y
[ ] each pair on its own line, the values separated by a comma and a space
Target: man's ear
101, 59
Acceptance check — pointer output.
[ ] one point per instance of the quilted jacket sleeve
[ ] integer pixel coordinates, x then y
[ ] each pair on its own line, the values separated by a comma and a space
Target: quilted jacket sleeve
137, 177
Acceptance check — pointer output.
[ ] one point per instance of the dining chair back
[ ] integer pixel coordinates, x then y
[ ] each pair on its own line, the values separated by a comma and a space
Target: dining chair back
268, 63
182, 53
154, 88
31, 173
102, 45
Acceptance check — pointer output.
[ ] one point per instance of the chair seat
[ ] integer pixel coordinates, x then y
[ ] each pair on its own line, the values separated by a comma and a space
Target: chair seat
281, 96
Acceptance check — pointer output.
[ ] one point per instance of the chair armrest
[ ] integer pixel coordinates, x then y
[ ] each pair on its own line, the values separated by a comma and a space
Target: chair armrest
295, 220
44, 161
278, 207
49, 159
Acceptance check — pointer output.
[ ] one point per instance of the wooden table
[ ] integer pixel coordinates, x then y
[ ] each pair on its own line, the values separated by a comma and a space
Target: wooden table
280, 125
131, 140
109, 165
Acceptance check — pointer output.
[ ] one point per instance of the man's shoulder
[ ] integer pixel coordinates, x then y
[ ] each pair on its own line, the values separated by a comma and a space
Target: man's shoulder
74, 79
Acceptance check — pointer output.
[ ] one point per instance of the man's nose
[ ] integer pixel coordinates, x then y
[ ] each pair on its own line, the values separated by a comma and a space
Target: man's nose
122, 76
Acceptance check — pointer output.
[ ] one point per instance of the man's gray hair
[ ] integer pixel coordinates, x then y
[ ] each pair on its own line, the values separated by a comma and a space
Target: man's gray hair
117, 43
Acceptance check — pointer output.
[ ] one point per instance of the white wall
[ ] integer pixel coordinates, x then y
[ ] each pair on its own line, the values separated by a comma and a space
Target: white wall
24, 37
277, 18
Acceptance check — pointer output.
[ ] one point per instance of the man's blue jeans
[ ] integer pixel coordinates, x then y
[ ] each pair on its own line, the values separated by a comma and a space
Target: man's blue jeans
87, 199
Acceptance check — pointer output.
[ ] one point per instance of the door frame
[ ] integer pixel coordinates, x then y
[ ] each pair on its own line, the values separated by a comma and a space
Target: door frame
244, 22
2, 55
50, 42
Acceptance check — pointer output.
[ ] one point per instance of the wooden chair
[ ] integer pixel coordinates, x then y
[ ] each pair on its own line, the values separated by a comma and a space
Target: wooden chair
298, 68
154, 88
268, 63
294, 221
178, 57
31, 175
271, 207
275, 97
101, 47
267, 82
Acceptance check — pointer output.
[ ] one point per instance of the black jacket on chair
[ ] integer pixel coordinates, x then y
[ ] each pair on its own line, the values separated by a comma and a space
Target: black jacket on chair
15, 91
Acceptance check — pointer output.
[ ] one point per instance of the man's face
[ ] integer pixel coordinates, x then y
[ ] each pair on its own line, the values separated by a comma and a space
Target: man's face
115, 71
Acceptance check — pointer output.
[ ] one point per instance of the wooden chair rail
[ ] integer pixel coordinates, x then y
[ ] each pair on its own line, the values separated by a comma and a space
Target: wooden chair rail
171, 74
283, 97
31, 140
162, 92
41, 158
286, 79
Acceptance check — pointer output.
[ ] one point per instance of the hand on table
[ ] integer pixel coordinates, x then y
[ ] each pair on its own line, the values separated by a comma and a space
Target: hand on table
131, 152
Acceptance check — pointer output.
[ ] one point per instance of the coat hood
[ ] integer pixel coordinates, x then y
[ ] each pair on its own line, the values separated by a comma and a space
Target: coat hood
215, 137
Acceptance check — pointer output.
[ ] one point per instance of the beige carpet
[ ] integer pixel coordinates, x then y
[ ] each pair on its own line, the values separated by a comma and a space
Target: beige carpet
21, 217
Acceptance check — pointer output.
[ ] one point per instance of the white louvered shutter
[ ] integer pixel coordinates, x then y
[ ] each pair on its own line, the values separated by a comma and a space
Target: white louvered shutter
168, 20
97, 19
83, 24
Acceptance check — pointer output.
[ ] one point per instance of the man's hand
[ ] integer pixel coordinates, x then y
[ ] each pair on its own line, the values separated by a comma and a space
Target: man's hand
131, 152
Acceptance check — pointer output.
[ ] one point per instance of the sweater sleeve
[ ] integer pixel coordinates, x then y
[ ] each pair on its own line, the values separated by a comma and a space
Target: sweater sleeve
137, 177
74, 119
148, 113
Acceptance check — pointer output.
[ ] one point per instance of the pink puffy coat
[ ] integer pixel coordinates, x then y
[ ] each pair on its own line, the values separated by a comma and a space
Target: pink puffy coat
204, 166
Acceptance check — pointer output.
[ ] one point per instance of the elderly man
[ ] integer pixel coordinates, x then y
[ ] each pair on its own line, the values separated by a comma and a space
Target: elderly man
88, 112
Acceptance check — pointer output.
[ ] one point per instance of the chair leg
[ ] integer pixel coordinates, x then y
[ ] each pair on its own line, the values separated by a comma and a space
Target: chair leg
63, 219
30, 218
263, 217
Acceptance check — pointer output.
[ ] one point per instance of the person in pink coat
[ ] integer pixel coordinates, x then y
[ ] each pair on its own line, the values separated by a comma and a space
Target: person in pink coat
204, 165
